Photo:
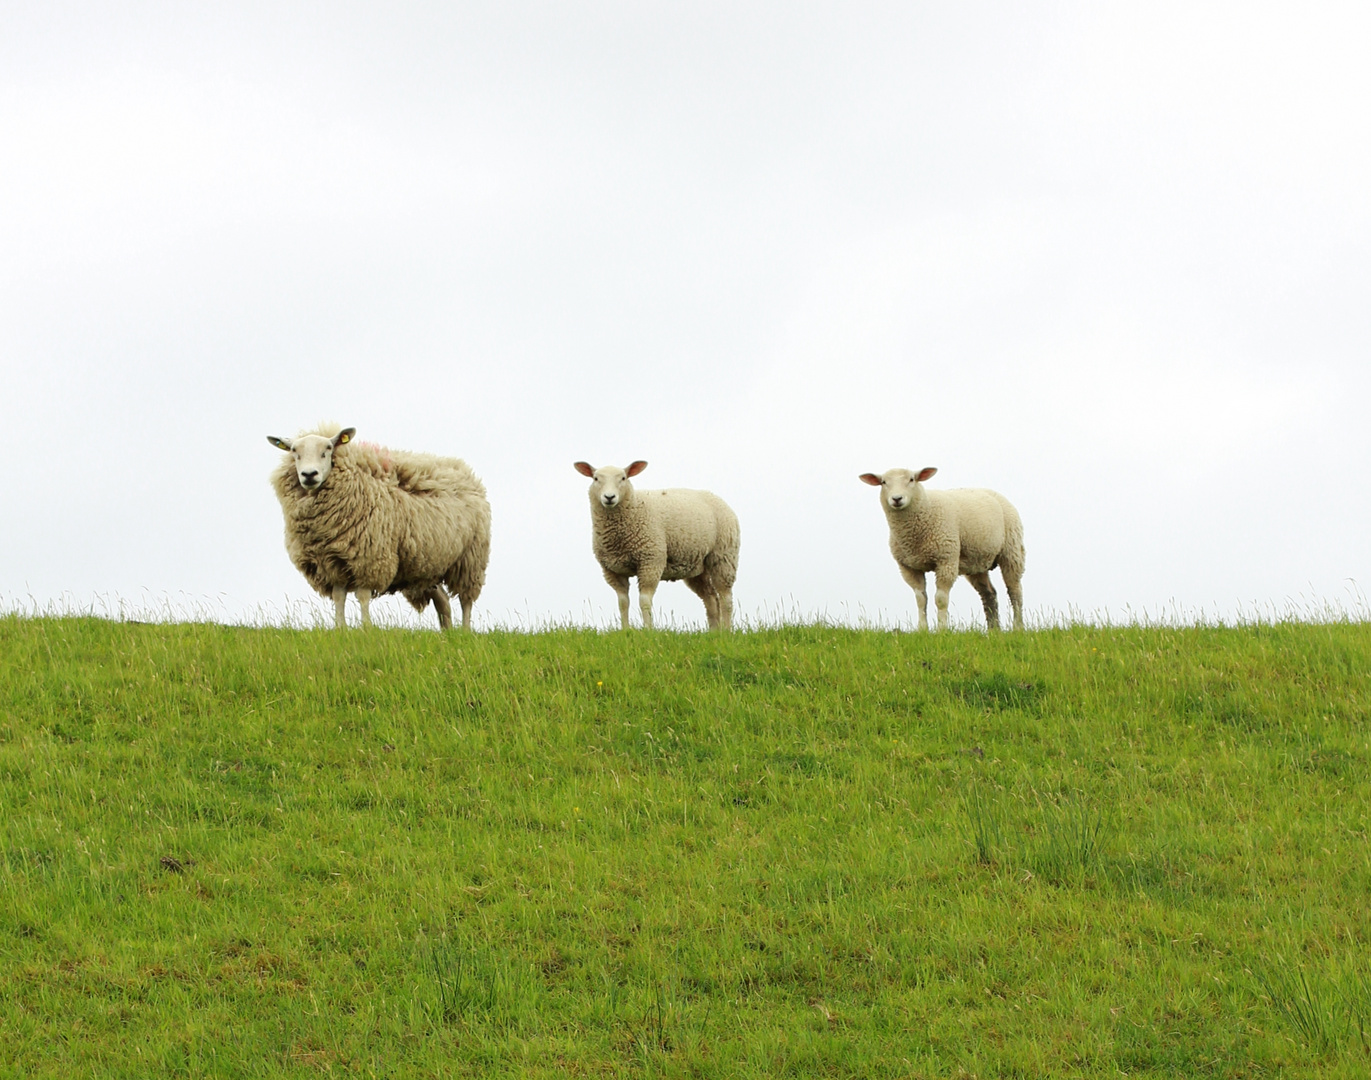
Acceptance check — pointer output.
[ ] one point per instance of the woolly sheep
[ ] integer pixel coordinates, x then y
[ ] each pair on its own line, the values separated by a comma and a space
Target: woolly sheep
961, 531
364, 519
672, 535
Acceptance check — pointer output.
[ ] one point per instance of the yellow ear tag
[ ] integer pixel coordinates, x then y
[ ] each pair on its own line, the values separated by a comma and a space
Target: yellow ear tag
345, 438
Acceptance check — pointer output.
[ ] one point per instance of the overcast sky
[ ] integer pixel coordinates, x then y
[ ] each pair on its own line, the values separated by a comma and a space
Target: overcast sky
1110, 259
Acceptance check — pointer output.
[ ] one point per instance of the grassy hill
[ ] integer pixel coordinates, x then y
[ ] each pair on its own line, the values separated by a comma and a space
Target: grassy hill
806, 851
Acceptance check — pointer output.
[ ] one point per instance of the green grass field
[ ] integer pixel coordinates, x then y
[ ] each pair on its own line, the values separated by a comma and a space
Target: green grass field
804, 851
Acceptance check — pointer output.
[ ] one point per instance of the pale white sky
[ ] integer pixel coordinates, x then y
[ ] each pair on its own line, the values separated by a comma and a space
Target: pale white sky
1113, 260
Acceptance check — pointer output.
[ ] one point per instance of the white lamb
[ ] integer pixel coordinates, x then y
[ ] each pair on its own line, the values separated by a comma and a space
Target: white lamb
364, 519
962, 531
671, 535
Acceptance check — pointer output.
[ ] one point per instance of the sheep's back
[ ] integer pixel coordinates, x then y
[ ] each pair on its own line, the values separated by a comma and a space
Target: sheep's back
428, 474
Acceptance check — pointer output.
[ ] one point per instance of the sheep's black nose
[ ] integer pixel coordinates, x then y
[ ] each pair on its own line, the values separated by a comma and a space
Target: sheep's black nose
309, 478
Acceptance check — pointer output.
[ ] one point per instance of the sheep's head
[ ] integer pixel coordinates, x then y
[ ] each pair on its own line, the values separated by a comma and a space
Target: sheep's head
899, 487
609, 483
313, 455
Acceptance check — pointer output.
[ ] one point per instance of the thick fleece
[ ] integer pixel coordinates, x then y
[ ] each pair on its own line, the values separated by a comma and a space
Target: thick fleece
663, 535
959, 531
377, 521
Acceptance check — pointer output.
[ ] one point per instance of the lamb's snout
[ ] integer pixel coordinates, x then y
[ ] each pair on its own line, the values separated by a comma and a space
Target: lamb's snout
898, 501
609, 498
309, 478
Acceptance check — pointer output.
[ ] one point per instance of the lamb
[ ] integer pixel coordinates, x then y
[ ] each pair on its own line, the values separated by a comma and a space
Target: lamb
364, 519
671, 535
961, 531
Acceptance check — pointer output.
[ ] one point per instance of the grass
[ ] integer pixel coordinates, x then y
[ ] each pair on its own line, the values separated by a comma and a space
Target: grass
802, 851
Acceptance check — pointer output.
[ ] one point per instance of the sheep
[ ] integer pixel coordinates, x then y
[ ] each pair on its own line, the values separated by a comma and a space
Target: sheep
364, 519
671, 535
962, 531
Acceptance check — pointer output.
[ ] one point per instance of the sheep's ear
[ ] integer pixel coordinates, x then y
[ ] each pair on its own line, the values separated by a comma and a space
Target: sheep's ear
344, 436
925, 474
280, 444
583, 467
870, 478
635, 468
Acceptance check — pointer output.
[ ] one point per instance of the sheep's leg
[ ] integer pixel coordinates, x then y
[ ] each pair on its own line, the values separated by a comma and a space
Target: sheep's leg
647, 589
441, 605
721, 572
703, 587
986, 588
918, 583
467, 602
947, 577
713, 614
364, 598
1015, 591
340, 603
619, 583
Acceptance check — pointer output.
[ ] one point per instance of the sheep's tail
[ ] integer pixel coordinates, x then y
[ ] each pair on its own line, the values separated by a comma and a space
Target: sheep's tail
467, 576
722, 562
1012, 555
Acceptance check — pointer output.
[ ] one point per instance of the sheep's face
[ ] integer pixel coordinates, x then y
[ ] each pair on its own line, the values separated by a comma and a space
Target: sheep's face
313, 455
610, 485
899, 487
